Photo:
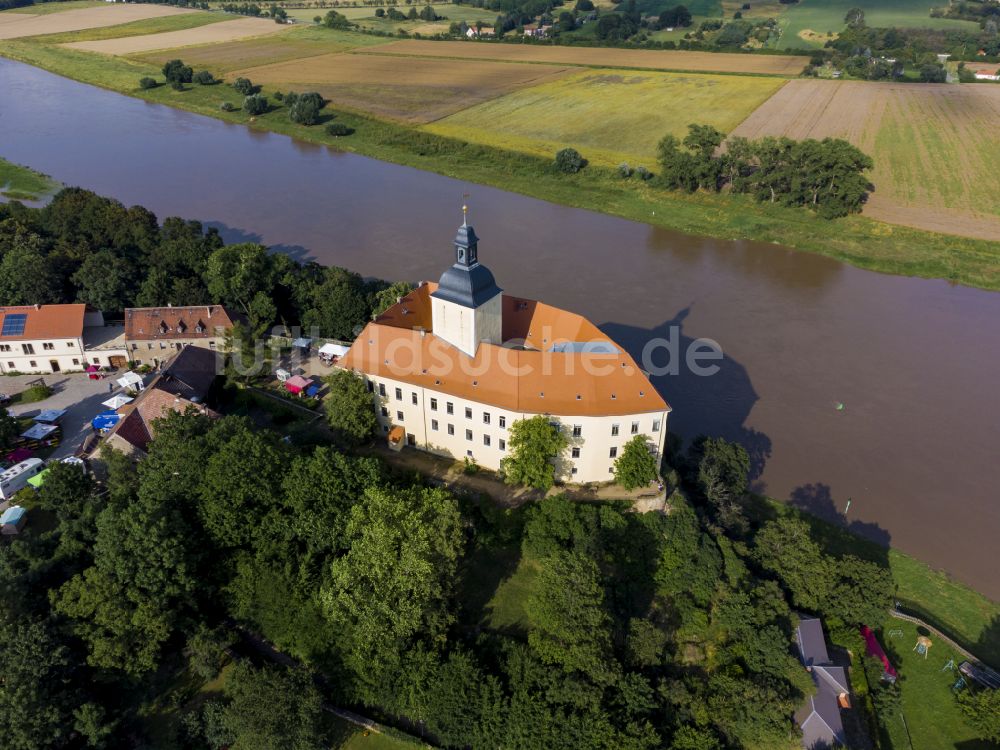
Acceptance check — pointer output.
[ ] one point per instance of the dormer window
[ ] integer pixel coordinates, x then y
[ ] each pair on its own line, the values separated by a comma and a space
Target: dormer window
200, 328
181, 327
164, 328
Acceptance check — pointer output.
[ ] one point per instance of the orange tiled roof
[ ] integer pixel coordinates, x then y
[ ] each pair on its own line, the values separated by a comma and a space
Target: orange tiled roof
532, 379
156, 323
46, 321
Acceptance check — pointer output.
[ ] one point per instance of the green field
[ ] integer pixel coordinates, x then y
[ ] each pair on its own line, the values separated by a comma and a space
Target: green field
365, 18
43, 9
609, 116
822, 16
138, 28
21, 183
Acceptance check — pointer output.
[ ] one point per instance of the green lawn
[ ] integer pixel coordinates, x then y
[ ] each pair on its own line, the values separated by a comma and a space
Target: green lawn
365, 18
348, 736
494, 587
824, 16
22, 183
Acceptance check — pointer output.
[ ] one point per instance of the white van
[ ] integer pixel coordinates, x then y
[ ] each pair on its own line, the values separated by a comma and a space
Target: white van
16, 477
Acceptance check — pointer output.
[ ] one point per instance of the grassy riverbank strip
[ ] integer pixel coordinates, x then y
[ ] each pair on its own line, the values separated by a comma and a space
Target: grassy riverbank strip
857, 240
24, 184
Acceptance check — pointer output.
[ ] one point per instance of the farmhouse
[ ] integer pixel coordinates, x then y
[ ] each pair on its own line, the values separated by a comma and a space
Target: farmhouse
154, 334
54, 338
453, 365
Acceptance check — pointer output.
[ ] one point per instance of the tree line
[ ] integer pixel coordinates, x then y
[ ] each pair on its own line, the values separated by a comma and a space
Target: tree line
85, 248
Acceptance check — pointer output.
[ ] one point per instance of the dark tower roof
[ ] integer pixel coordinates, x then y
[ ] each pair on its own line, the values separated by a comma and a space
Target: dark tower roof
467, 282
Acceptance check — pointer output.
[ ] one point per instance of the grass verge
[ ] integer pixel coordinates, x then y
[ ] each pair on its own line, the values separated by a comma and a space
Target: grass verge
24, 184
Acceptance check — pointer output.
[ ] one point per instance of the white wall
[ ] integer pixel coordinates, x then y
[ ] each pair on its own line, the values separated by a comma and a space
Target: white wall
157, 352
463, 327
67, 353
595, 441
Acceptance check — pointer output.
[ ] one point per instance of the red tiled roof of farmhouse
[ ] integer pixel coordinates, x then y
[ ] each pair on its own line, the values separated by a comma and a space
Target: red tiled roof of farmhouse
27, 322
534, 380
176, 322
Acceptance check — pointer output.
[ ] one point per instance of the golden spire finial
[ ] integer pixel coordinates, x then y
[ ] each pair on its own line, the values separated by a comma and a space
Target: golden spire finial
465, 211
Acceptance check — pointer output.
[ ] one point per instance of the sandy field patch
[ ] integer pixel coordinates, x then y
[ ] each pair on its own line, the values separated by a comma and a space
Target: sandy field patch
937, 166
225, 31
708, 62
408, 89
15, 25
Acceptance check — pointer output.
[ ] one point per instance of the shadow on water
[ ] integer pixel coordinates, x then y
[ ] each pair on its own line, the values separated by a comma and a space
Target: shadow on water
701, 394
235, 235
817, 500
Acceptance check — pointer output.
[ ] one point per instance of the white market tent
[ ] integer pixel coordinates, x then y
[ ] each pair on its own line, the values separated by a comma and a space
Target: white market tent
333, 350
302, 343
38, 431
51, 416
117, 402
130, 380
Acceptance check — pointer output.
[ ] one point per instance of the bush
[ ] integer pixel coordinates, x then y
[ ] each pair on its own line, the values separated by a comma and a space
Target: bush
147, 83
227, 107
624, 170
642, 173
255, 104
244, 86
338, 129
204, 78
304, 109
36, 393
177, 85
570, 161
278, 96
175, 71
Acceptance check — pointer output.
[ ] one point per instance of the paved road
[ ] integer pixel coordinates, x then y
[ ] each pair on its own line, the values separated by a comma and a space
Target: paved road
76, 393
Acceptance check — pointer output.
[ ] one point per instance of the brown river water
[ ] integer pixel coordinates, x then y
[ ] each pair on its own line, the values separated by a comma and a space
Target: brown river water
915, 363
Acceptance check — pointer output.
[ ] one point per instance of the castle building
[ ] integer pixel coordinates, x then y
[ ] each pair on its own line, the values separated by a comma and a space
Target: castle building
453, 365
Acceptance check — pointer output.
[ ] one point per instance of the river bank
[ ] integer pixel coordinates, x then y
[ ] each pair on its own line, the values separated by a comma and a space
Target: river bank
24, 184
856, 240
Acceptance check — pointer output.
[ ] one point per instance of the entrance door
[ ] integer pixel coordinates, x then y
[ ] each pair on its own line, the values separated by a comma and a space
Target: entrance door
54, 364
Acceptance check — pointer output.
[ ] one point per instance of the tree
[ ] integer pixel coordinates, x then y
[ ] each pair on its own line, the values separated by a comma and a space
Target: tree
176, 71
636, 466
584, 6
305, 109
65, 491
534, 445
386, 298
244, 86
280, 15
570, 626
147, 83
235, 274
677, 16
106, 281
204, 78
273, 708
982, 708
855, 18
569, 160
412, 15
933, 73
785, 547
334, 20
349, 407
27, 277
339, 305
723, 476
337, 129
10, 428
255, 104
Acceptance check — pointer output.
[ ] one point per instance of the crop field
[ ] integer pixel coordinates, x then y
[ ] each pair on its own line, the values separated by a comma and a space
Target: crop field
189, 20
295, 44
936, 162
42, 9
610, 116
806, 24
413, 90
16, 25
365, 18
598, 57
226, 31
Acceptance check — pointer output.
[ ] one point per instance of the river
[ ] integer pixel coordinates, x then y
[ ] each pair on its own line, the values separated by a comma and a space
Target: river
914, 362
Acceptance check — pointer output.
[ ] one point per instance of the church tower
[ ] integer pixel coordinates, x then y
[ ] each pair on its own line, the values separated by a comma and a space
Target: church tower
466, 308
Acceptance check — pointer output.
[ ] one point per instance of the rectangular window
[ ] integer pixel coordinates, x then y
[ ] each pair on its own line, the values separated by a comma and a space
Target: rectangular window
411, 440
413, 398
97, 361
10, 365
163, 345
385, 428
211, 345
32, 363
48, 346
381, 389
385, 412
656, 425
577, 430
434, 425
503, 444
27, 348
468, 413
503, 423
614, 430
635, 428
4, 347
468, 453
613, 453
611, 470
371, 386
399, 416
76, 361
434, 404
149, 346
450, 407
486, 417
451, 429
486, 440
573, 471
576, 453
468, 434
399, 394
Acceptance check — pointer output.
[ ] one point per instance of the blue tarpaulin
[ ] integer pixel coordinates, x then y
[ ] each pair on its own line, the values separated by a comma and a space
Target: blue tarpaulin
312, 390
106, 419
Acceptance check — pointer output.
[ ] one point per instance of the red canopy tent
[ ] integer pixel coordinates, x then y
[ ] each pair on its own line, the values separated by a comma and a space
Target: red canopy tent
874, 648
297, 384
18, 455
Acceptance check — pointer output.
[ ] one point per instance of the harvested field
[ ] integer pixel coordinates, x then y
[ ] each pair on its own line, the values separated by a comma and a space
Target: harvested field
611, 116
248, 53
226, 31
16, 25
407, 89
936, 162
601, 57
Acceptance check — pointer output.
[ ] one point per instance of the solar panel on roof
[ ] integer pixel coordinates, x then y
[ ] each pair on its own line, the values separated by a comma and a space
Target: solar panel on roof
13, 324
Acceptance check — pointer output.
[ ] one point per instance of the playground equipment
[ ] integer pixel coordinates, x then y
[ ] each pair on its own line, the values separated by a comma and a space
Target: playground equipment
949, 666
923, 645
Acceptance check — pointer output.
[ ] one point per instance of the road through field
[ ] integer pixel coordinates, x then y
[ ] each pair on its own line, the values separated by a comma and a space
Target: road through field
680, 60
16, 25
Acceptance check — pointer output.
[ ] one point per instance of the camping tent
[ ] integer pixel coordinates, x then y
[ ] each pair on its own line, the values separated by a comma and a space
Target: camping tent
130, 380
93, 368
51, 416
39, 479
117, 402
105, 420
329, 351
39, 431
297, 384
12, 520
